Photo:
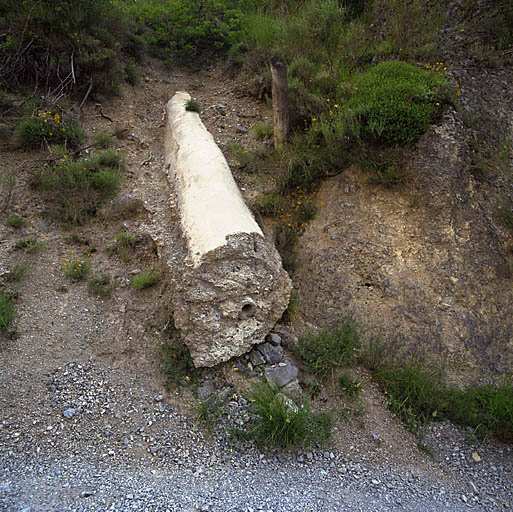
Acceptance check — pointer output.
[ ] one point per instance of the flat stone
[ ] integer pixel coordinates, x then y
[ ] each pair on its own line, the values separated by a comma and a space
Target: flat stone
271, 353
273, 339
69, 413
281, 375
206, 390
256, 358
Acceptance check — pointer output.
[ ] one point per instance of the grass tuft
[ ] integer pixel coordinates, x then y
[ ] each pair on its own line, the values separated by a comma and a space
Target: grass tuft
192, 106
14, 221
100, 285
7, 311
145, 279
329, 349
280, 423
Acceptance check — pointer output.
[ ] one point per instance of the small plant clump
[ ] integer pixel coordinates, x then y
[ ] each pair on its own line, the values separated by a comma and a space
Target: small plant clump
192, 106
270, 203
506, 215
7, 311
125, 239
75, 188
48, 126
75, 267
29, 245
176, 363
145, 279
329, 349
100, 284
285, 238
279, 422
14, 221
349, 385
263, 131
104, 139
17, 272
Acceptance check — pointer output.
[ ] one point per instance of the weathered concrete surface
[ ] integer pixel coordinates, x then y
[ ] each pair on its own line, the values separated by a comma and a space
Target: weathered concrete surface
233, 288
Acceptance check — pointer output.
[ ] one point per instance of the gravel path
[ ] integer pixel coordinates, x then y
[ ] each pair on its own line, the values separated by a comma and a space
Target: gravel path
93, 443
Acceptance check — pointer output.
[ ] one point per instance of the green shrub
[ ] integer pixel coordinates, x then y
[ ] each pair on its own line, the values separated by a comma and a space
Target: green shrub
176, 362
263, 131
285, 239
7, 311
306, 211
14, 221
100, 285
17, 272
393, 103
104, 139
188, 32
75, 188
349, 386
411, 28
279, 422
125, 239
48, 126
270, 203
506, 215
329, 349
75, 267
145, 279
30, 245
66, 46
415, 392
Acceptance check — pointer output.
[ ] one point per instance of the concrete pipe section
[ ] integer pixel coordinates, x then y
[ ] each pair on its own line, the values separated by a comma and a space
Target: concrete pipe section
233, 288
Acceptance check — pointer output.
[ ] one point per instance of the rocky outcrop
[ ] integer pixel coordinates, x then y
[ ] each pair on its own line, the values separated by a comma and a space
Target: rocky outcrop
232, 288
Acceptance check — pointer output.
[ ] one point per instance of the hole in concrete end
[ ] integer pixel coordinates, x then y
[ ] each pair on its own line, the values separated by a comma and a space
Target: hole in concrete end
247, 311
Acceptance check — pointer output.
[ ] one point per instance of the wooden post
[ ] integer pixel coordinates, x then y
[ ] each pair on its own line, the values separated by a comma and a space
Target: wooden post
280, 101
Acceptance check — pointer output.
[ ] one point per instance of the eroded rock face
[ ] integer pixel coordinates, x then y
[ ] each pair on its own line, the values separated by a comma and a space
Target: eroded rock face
232, 289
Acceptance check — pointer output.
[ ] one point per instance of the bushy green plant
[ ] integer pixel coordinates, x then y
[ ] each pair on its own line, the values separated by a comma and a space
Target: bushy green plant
349, 385
188, 32
15, 221
263, 131
506, 215
415, 392
66, 45
7, 310
104, 139
145, 279
411, 28
75, 267
49, 126
29, 245
393, 103
329, 349
75, 188
176, 362
100, 284
279, 422
17, 272
270, 203
125, 239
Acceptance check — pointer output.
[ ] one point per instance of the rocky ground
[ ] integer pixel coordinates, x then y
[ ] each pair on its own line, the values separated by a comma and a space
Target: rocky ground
86, 423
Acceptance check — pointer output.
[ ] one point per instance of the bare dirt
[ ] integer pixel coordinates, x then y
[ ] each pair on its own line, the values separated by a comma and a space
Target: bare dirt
359, 254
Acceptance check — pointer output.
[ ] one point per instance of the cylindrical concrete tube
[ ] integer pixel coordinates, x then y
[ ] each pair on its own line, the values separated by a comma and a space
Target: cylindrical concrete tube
233, 288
